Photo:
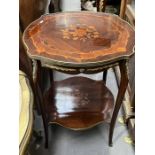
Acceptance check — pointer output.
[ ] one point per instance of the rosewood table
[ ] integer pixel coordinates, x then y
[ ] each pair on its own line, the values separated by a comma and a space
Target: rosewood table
79, 42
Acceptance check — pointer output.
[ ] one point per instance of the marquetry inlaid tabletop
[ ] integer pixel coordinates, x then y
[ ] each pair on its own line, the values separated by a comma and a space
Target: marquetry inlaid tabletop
79, 38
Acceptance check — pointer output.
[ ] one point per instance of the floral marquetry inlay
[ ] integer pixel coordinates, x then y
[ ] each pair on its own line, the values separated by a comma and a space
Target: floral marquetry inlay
80, 32
79, 39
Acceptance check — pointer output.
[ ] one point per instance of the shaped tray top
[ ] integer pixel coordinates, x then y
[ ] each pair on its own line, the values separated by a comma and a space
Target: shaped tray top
79, 38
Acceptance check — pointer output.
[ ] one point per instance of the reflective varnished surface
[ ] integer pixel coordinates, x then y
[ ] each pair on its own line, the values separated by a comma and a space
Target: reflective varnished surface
78, 103
79, 38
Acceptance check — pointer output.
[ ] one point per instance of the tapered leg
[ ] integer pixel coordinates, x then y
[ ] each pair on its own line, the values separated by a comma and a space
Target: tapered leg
105, 76
120, 96
51, 76
45, 122
39, 93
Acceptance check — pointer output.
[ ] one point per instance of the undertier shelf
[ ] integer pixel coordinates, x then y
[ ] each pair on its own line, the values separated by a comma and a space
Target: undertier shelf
78, 103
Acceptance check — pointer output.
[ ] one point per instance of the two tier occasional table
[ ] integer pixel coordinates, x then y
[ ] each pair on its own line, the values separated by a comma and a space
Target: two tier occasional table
73, 43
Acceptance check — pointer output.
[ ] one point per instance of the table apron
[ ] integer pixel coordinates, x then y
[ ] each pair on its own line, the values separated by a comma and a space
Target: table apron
77, 70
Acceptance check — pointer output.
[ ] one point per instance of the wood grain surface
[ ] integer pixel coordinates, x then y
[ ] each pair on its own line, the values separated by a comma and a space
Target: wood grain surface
71, 104
77, 38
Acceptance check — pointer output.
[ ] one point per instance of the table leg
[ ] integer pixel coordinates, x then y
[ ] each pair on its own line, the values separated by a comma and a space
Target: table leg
39, 93
105, 76
120, 96
51, 75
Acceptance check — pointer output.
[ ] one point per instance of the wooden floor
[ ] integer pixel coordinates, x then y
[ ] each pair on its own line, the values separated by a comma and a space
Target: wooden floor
89, 142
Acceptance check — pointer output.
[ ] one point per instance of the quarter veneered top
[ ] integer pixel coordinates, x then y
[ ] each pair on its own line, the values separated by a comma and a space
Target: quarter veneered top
79, 38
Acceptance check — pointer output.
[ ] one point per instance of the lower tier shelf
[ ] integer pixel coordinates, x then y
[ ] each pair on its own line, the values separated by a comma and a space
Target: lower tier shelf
78, 103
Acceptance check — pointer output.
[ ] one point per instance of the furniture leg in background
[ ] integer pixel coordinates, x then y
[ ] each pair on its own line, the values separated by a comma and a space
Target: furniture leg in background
101, 4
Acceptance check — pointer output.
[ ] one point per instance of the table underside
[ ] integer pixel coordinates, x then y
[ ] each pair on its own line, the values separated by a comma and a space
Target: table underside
78, 103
